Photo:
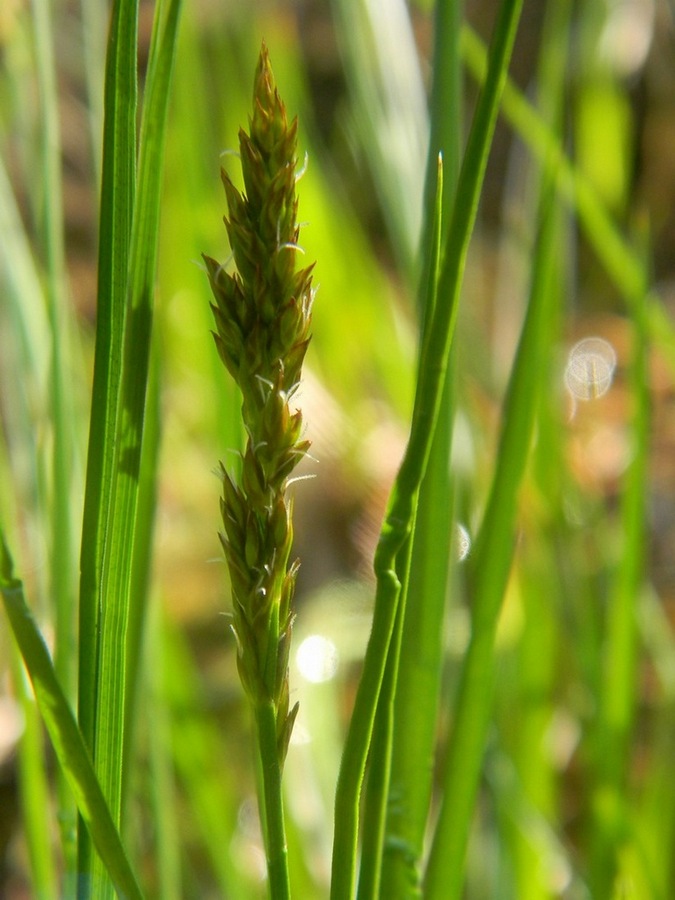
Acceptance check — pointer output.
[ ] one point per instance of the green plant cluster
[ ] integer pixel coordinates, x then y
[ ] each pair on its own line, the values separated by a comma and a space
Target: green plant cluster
499, 724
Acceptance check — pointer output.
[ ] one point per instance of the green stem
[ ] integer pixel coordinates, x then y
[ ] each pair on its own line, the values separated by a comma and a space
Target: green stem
272, 812
394, 534
382, 749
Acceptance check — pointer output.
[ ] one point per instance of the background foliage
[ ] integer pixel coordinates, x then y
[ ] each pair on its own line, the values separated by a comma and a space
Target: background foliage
576, 797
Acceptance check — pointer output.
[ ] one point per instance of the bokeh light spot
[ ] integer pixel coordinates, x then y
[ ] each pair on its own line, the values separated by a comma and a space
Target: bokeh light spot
317, 659
590, 368
462, 542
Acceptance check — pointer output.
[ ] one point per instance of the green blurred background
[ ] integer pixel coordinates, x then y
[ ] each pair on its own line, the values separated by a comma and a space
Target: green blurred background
356, 75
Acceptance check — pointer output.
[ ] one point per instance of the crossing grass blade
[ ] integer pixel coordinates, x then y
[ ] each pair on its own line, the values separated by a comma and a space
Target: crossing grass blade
64, 732
34, 787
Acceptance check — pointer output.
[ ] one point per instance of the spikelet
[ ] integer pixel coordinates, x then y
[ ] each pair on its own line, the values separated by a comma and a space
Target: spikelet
262, 316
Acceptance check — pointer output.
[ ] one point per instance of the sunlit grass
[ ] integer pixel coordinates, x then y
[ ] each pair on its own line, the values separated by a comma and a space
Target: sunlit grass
516, 709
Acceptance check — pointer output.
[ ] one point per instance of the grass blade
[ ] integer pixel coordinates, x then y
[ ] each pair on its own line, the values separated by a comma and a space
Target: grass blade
34, 788
136, 379
63, 731
419, 670
126, 289
619, 686
389, 112
62, 566
378, 812
117, 197
118, 187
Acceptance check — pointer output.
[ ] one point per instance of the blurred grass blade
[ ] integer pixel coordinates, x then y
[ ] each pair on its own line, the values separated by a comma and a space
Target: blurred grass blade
62, 535
389, 111
63, 731
197, 753
33, 787
489, 569
619, 682
621, 261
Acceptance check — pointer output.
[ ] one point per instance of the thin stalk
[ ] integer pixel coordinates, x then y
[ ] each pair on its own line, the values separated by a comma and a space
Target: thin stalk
272, 812
419, 670
382, 748
619, 686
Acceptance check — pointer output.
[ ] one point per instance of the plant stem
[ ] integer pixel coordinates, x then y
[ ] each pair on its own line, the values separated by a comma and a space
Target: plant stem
272, 812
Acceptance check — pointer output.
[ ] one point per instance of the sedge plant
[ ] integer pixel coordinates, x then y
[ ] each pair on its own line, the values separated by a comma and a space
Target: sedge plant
262, 315
446, 787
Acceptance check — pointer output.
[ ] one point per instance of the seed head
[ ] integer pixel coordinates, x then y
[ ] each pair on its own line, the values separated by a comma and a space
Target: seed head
262, 315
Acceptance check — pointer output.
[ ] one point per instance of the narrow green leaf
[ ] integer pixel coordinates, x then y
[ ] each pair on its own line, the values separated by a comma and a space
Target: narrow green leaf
117, 198
65, 735
116, 210
126, 292
384, 847
420, 667
62, 567
619, 678
34, 788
